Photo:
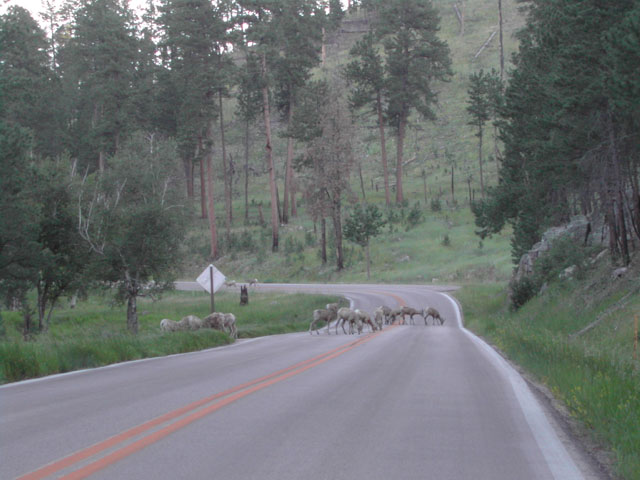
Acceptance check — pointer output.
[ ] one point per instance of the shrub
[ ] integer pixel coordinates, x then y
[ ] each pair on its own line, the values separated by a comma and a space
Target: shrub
523, 291
436, 205
415, 216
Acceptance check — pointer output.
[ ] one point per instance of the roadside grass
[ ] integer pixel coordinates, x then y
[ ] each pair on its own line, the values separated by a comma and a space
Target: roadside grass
94, 333
594, 375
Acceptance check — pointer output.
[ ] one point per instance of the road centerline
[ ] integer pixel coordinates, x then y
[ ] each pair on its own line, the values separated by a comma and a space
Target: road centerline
176, 419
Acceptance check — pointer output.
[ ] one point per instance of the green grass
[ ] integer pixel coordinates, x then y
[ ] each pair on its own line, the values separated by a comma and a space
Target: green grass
593, 374
94, 333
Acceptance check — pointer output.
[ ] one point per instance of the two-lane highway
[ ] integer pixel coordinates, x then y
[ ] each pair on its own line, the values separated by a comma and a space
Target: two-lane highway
408, 402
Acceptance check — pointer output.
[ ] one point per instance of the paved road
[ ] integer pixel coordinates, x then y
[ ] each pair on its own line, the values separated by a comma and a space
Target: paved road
410, 402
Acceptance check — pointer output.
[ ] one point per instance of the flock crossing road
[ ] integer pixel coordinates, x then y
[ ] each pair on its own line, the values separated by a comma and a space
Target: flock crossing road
408, 402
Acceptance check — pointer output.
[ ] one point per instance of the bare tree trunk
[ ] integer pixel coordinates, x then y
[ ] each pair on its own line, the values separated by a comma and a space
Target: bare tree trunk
269, 158
366, 250
399, 150
246, 172
203, 187
287, 168
337, 227
424, 184
383, 150
364, 195
323, 52
619, 189
460, 16
323, 240
132, 312
187, 165
453, 196
212, 213
225, 172
294, 207
480, 161
501, 42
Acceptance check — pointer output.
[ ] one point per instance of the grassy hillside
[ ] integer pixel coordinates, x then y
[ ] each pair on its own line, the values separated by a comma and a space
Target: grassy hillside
433, 148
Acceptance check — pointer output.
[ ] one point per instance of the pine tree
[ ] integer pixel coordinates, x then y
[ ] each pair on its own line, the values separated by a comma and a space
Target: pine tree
366, 76
415, 59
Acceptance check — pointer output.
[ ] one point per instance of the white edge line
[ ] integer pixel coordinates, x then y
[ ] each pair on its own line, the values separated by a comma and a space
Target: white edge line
558, 459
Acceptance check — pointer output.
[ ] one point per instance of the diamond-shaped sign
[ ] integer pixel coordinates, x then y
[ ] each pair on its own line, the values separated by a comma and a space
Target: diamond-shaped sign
204, 279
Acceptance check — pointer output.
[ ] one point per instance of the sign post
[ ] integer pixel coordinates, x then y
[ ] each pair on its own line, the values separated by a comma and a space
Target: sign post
211, 279
213, 303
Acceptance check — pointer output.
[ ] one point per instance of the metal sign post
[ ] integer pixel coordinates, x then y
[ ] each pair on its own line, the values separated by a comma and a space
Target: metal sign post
213, 304
211, 279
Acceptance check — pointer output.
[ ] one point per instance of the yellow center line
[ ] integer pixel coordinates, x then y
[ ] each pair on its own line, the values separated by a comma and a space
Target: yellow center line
178, 419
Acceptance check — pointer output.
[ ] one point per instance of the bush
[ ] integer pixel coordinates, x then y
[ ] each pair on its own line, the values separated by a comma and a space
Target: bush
415, 216
523, 291
436, 205
446, 241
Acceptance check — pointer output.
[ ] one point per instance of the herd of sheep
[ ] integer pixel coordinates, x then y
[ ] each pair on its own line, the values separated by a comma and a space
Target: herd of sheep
357, 319
225, 322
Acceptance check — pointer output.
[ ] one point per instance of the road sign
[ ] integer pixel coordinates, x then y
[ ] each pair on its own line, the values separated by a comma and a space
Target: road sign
205, 279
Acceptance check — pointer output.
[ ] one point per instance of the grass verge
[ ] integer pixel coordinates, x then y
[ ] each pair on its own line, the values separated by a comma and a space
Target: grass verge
599, 384
94, 333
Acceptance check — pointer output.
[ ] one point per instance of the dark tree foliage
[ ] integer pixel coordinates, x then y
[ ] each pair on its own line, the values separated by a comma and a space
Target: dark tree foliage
568, 126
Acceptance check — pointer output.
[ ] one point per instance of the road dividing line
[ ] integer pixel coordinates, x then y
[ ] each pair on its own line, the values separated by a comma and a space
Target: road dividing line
178, 418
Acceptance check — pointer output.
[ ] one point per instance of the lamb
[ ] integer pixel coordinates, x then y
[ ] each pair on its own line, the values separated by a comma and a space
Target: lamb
347, 315
230, 283
411, 312
432, 312
253, 281
366, 318
322, 315
167, 325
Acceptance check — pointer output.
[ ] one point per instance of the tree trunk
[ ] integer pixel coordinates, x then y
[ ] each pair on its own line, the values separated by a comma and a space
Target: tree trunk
132, 312
383, 150
225, 172
269, 157
246, 171
453, 196
501, 42
187, 165
337, 227
323, 240
619, 189
399, 149
203, 188
212, 213
424, 185
480, 161
287, 168
294, 207
364, 195
366, 251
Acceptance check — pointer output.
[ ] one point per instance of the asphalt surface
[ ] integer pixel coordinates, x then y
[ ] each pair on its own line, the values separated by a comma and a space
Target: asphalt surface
410, 402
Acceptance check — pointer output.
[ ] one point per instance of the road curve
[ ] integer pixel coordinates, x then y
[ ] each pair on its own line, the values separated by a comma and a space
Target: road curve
410, 402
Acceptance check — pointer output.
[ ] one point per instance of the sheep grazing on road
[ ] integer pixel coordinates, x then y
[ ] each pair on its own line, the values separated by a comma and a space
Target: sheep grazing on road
411, 312
347, 315
379, 317
433, 313
395, 314
387, 314
364, 317
323, 315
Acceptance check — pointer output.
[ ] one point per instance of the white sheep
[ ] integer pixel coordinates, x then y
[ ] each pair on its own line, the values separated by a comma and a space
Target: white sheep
347, 315
379, 317
190, 322
364, 317
411, 312
214, 320
229, 322
322, 315
167, 325
253, 281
